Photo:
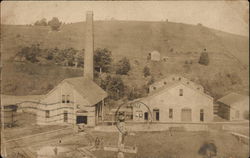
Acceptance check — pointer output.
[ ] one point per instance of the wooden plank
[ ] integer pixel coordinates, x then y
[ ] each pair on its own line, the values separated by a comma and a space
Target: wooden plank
132, 150
239, 135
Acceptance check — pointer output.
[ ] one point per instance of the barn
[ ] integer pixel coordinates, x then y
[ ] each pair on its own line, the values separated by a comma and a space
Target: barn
174, 99
233, 107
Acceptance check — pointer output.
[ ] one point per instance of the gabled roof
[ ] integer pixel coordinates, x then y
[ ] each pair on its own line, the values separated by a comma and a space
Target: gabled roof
87, 88
232, 98
175, 84
168, 87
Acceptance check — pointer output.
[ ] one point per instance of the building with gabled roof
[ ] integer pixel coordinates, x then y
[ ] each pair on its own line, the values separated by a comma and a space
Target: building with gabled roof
175, 102
75, 100
233, 107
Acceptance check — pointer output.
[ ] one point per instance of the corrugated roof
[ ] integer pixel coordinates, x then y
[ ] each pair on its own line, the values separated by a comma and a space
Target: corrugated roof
232, 98
88, 89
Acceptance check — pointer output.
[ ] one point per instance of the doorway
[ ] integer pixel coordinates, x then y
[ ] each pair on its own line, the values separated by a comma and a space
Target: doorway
156, 114
186, 115
81, 119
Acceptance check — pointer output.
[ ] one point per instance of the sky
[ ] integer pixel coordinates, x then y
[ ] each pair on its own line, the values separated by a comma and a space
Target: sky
228, 16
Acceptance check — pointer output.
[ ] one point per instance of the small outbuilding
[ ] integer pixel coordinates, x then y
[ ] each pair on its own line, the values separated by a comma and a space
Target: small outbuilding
234, 107
154, 56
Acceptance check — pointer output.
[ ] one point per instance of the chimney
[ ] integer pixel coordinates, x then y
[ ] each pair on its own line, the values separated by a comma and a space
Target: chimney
89, 47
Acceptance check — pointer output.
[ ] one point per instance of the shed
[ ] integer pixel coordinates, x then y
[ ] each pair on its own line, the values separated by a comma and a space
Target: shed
154, 56
234, 107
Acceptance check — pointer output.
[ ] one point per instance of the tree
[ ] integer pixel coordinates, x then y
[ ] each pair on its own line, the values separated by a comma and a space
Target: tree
55, 24
103, 59
42, 22
146, 71
135, 92
151, 81
30, 53
114, 86
123, 66
79, 58
208, 150
204, 59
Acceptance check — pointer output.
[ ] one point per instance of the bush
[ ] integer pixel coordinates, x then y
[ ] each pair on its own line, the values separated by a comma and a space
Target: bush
146, 71
151, 81
30, 53
208, 150
114, 86
204, 59
103, 59
42, 22
135, 93
54, 24
123, 66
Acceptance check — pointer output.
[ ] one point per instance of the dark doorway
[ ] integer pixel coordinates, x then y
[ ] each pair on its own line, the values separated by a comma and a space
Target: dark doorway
146, 116
81, 119
156, 113
202, 115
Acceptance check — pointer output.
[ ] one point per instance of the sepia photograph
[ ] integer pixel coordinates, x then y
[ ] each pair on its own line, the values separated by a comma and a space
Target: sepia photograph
124, 79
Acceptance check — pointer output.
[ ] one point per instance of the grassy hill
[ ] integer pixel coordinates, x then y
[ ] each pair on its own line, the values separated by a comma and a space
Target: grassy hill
228, 53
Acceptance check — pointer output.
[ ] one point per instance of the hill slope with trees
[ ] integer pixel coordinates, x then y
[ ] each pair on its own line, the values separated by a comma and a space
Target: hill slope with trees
181, 44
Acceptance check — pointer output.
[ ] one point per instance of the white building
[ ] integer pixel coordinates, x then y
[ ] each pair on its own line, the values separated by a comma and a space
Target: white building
178, 100
74, 100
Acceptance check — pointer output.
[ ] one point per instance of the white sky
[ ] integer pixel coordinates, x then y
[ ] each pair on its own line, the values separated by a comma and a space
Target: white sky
229, 16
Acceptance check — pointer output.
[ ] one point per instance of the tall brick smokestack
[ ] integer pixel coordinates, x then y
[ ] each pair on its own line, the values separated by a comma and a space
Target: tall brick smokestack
89, 47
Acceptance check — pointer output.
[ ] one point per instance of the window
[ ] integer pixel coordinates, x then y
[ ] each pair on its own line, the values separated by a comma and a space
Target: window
68, 100
180, 92
156, 113
179, 78
165, 82
65, 116
47, 113
146, 116
202, 115
63, 98
170, 113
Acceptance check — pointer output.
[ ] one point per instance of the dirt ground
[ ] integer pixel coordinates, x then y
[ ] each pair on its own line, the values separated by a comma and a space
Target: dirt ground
177, 144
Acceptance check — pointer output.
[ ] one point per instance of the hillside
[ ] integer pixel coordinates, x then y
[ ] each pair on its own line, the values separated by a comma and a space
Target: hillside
228, 53
134, 39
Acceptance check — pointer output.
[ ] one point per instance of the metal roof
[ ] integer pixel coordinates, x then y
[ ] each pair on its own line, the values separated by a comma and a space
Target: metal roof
232, 98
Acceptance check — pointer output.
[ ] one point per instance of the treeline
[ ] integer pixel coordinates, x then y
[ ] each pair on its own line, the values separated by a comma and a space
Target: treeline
66, 57
54, 23
109, 74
